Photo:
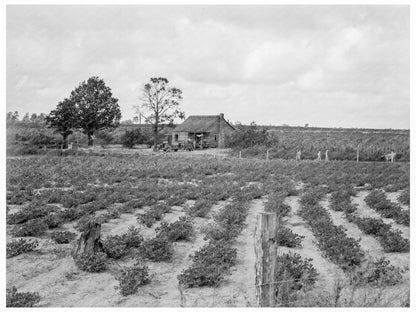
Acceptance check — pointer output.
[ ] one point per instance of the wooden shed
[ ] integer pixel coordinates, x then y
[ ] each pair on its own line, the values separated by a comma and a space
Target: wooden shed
210, 129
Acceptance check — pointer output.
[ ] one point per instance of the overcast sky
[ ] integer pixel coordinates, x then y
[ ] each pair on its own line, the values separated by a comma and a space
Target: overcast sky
338, 66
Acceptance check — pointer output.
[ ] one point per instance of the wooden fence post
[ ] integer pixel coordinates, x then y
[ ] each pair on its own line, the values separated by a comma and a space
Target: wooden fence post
267, 154
266, 252
240, 154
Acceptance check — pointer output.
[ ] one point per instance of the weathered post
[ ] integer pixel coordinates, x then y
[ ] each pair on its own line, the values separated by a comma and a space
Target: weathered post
240, 154
358, 153
266, 253
267, 154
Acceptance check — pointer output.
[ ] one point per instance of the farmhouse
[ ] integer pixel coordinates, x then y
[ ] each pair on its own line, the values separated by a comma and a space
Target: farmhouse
210, 129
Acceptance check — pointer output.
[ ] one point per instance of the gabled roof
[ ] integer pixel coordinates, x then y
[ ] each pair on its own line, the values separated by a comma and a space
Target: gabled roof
197, 123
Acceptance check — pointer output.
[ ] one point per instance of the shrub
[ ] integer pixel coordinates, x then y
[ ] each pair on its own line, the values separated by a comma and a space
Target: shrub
155, 213
91, 263
114, 246
178, 230
32, 211
131, 278
200, 208
376, 272
63, 237
393, 241
286, 237
53, 220
209, 266
157, 249
132, 137
404, 197
20, 246
117, 246
199, 276
133, 238
275, 204
372, 226
21, 299
292, 274
34, 227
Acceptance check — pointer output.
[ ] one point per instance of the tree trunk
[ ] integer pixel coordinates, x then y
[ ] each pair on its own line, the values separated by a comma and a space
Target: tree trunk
65, 139
155, 135
90, 240
90, 140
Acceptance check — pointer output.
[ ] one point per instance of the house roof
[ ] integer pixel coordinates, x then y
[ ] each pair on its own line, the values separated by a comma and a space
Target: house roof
198, 123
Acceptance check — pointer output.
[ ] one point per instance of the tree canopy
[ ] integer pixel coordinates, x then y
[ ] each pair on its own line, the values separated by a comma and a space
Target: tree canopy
96, 108
90, 107
63, 119
161, 101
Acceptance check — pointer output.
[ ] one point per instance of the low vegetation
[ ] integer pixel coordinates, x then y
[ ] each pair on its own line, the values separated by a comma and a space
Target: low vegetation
20, 246
15, 299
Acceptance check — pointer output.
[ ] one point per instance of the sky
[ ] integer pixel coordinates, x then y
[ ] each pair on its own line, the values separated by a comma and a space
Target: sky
331, 66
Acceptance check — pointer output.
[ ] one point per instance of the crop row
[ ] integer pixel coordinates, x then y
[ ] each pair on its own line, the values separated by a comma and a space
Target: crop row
24, 176
378, 201
332, 240
390, 240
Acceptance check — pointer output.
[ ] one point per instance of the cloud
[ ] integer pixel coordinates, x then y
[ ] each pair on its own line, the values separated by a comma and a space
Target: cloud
271, 64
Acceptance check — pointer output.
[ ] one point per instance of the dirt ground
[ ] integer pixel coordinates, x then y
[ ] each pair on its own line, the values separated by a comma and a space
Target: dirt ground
51, 271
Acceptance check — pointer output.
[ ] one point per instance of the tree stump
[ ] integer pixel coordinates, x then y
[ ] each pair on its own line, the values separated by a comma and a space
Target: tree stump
90, 241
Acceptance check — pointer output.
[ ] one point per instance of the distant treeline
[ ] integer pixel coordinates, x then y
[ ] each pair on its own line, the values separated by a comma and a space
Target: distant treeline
284, 142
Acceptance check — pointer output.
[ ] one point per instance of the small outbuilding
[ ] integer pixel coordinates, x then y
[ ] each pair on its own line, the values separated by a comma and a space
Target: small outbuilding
208, 130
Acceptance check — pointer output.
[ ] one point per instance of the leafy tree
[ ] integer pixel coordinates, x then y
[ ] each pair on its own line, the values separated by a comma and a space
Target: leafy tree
162, 103
26, 118
96, 108
12, 117
33, 117
249, 136
63, 119
132, 137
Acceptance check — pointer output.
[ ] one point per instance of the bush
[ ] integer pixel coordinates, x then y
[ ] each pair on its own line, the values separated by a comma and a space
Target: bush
286, 237
372, 226
275, 204
63, 237
117, 246
376, 272
20, 246
209, 265
131, 278
133, 238
155, 213
393, 241
53, 220
34, 227
114, 246
32, 211
157, 249
21, 299
404, 197
132, 137
91, 263
178, 230
200, 208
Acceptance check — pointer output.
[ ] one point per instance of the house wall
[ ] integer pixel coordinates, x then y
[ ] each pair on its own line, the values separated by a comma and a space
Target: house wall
182, 136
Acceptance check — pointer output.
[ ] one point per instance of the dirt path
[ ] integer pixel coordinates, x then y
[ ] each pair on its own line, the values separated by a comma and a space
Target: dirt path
237, 289
365, 211
328, 271
393, 196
